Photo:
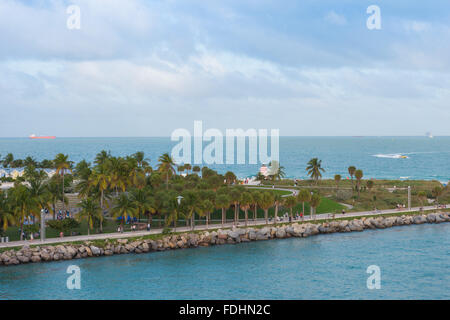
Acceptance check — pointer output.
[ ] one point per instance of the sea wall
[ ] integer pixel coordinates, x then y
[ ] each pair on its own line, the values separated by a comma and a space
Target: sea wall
204, 239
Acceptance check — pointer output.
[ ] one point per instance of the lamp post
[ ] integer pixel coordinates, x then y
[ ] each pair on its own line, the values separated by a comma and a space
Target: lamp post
409, 198
42, 225
179, 198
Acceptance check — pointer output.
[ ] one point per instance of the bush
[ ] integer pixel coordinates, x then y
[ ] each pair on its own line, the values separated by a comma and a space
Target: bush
65, 225
166, 230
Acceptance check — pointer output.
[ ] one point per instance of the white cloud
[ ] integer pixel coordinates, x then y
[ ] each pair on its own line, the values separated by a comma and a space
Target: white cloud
335, 18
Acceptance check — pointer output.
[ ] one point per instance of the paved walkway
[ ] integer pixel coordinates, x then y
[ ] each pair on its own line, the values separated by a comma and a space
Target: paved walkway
201, 227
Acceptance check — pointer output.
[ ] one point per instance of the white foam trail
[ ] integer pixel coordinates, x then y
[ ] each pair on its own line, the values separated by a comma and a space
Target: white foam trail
390, 156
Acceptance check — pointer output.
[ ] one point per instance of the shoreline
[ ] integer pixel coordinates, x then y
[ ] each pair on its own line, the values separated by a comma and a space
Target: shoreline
109, 247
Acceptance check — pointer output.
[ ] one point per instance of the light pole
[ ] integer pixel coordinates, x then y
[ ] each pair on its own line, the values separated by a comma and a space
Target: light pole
409, 198
42, 225
179, 198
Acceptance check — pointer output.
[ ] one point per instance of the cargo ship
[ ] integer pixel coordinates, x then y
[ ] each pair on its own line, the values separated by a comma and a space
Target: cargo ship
33, 136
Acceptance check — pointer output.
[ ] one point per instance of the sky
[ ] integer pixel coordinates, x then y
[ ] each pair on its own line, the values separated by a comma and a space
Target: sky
146, 68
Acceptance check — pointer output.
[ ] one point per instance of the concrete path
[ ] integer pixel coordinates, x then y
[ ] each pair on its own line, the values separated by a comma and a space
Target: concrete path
201, 227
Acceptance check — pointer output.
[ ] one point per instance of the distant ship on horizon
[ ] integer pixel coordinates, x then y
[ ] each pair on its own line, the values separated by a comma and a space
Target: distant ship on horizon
429, 135
33, 136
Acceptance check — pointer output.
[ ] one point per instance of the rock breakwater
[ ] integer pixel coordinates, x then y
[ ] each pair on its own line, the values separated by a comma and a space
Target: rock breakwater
110, 247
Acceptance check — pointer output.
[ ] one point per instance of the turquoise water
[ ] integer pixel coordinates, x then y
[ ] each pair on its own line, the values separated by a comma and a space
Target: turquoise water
376, 156
414, 263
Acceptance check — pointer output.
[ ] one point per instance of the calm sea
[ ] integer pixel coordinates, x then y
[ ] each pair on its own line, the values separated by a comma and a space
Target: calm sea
378, 157
413, 260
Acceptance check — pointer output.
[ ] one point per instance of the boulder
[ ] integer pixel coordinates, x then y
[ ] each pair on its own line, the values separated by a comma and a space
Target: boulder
419, 220
280, 233
95, 250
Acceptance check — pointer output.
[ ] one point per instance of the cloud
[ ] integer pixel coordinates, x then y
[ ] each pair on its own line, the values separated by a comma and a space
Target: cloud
146, 68
334, 18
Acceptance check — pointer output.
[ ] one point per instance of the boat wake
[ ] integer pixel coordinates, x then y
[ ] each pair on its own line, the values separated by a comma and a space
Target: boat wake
391, 156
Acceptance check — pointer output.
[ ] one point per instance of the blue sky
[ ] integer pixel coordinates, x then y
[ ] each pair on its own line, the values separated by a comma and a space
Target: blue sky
145, 68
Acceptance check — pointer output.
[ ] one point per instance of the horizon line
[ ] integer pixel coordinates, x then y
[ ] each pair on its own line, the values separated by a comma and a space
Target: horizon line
284, 136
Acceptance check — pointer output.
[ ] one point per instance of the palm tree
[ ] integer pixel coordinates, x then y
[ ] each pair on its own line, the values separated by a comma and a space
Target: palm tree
40, 194
337, 179
100, 179
118, 173
223, 202
351, 172
180, 169
90, 211
143, 201
22, 204
255, 195
54, 189
437, 192
235, 195
123, 207
315, 202
246, 202
166, 165
230, 177
102, 157
315, 169
196, 169
422, 195
173, 210
206, 208
62, 164
140, 159
290, 202
191, 205
187, 167
6, 217
8, 160
277, 201
358, 175
304, 196
30, 161
265, 202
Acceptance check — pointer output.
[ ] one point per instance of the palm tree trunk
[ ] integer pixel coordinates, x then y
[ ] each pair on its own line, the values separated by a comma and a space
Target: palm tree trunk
276, 214
193, 221
101, 205
266, 215
207, 221
167, 181
223, 216
255, 213
292, 218
303, 208
21, 230
246, 216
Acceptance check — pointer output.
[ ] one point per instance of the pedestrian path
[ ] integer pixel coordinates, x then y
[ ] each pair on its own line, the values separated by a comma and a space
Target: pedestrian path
258, 222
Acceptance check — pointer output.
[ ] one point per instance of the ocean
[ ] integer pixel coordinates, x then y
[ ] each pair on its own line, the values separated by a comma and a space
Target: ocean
413, 262
378, 157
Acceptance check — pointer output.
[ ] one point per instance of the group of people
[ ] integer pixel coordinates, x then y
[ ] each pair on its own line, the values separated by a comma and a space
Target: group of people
62, 215
133, 227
